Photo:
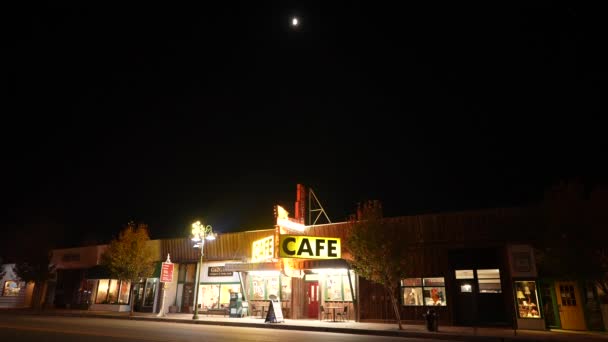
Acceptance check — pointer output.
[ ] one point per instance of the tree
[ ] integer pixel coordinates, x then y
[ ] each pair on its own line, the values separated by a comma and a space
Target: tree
35, 267
129, 257
376, 245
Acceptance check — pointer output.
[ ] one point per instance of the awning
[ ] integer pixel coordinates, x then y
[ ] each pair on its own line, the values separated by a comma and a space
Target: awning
253, 266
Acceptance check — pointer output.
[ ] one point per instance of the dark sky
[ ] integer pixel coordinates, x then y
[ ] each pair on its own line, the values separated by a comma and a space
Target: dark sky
165, 113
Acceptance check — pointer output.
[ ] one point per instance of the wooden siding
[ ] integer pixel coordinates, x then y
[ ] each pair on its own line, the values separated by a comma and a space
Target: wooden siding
229, 246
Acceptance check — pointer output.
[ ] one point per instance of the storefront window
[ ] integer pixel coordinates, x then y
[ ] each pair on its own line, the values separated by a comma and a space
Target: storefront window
113, 292
333, 287
209, 296
150, 291
285, 288
464, 274
527, 299
102, 291
489, 281
258, 287
225, 290
11, 288
125, 288
411, 291
272, 286
348, 294
434, 291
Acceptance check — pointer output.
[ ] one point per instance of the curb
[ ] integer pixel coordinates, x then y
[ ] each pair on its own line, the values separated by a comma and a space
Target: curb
369, 332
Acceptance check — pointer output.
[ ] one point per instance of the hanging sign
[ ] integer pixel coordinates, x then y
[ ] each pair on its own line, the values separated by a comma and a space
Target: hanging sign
166, 272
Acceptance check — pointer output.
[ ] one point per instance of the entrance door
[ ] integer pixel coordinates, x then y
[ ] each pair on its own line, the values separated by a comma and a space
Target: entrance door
188, 298
312, 292
570, 306
465, 302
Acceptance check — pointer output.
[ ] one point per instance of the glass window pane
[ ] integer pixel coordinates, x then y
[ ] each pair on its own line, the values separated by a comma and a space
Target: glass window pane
434, 296
125, 288
225, 293
464, 274
209, 296
190, 273
438, 281
333, 287
113, 292
285, 288
150, 291
412, 296
527, 299
11, 288
489, 286
411, 282
348, 295
102, 291
488, 274
258, 288
272, 286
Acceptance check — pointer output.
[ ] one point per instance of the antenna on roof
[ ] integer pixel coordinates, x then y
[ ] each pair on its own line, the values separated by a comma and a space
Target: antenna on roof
315, 206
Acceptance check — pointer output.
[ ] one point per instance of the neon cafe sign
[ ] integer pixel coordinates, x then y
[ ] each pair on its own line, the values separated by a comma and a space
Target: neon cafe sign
309, 247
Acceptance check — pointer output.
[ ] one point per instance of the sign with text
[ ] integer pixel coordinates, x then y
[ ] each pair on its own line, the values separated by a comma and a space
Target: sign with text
309, 247
262, 249
166, 272
218, 271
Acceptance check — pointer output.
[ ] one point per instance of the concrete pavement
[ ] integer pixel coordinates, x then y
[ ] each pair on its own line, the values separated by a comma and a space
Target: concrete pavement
455, 333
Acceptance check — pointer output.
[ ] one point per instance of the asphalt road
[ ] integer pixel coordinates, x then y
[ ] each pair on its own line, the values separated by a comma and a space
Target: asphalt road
67, 329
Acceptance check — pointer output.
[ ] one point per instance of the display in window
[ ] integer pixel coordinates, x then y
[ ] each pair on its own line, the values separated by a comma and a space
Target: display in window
412, 296
225, 290
464, 274
527, 299
348, 294
334, 288
434, 296
125, 289
102, 291
209, 296
272, 287
113, 292
259, 288
150, 291
11, 288
285, 288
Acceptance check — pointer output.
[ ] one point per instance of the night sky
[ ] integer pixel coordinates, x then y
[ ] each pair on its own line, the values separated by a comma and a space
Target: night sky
163, 113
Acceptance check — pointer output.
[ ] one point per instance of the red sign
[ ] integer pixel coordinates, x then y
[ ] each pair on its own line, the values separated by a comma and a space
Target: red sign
166, 273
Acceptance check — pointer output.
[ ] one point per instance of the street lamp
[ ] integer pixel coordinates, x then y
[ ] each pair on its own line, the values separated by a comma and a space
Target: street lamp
200, 233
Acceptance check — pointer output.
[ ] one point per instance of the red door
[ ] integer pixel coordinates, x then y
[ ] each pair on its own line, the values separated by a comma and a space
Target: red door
312, 291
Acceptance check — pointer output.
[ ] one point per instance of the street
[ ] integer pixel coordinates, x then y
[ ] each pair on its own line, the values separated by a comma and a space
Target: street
49, 329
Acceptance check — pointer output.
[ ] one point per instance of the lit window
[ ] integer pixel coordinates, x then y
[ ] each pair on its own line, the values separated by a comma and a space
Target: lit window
11, 288
527, 299
423, 291
489, 281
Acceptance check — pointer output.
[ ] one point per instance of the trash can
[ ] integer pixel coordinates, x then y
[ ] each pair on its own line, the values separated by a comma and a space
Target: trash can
432, 320
236, 305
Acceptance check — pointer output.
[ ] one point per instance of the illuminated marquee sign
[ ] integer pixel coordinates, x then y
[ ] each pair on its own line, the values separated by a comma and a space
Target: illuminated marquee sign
262, 249
309, 247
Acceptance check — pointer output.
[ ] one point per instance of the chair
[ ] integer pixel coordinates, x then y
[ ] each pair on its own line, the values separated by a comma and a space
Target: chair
324, 313
254, 309
343, 314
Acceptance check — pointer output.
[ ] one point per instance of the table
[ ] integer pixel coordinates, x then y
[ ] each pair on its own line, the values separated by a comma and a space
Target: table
333, 309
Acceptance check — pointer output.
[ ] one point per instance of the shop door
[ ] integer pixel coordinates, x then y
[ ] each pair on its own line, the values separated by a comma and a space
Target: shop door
312, 292
188, 298
570, 306
465, 302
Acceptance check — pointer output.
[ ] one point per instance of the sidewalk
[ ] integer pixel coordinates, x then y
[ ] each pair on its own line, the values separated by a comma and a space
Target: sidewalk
455, 333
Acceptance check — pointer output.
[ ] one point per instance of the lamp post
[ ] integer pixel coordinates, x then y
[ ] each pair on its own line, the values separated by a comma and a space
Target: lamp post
200, 233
